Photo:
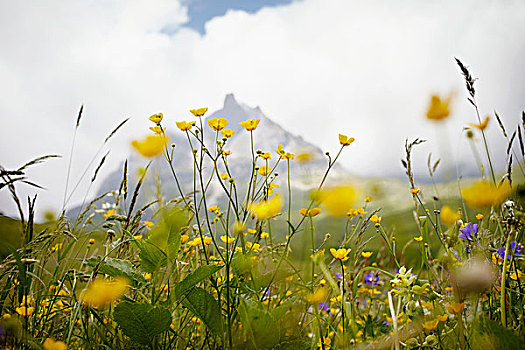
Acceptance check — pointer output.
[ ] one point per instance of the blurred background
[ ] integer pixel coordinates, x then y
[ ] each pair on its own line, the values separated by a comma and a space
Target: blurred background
314, 68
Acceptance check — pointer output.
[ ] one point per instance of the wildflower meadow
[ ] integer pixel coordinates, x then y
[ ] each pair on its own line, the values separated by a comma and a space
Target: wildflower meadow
234, 263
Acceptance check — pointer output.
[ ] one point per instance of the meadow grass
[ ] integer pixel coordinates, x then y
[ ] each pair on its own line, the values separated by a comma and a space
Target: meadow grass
253, 273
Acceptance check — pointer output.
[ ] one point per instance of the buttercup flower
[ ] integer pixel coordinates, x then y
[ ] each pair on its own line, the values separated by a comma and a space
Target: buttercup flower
102, 292
482, 125
52, 344
418, 239
345, 141
217, 124
185, 126
227, 239
468, 232
448, 216
455, 308
263, 170
250, 125
151, 146
310, 213
366, 255
341, 253
430, 325
439, 108
157, 129
484, 194
156, 118
227, 132
376, 219
337, 200
199, 112
266, 209
415, 190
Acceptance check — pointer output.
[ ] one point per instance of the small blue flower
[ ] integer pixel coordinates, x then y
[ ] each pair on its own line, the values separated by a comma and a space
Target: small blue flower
469, 232
338, 275
371, 279
324, 306
514, 250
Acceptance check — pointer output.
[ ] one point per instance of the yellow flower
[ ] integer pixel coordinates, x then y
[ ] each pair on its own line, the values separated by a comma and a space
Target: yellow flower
415, 190
303, 157
479, 217
102, 292
184, 238
368, 199
217, 124
289, 156
455, 308
311, 213
264, 235
266, 156
337, 200
137, 237
256, 247
151, 146
91, 241
345, 141
250, 125
147, 276
224, 176
318, 296
227, 239
199, 112
442, 318
340, 254
439, 108
263, 170
515, 276
207, 240
430, 325
427, 305
110, 212
226, 152
376, 219
325, 344
271, 186
157, 129
482, 125
355, 212
418, 239
156, 118
227, 133
448, 216
266, 209
280, 150
484, 194
366, 255
149, 224
56, 247
52, 344
185, 126
25, 311
213, 209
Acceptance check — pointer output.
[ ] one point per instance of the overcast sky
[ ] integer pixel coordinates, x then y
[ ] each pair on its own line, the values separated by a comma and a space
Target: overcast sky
318, 67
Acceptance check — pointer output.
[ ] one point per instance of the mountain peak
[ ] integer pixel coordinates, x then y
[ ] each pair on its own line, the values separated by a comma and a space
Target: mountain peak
230, 101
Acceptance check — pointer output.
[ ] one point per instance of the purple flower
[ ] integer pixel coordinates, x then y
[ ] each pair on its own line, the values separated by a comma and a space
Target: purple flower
338, 275
371, 279
324, 306
469, 232
514, 250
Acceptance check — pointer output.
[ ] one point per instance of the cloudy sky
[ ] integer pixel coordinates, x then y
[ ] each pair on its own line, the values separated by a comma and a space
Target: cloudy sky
318, 67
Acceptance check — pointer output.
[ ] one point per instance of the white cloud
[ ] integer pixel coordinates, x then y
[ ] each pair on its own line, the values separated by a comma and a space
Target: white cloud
317, 67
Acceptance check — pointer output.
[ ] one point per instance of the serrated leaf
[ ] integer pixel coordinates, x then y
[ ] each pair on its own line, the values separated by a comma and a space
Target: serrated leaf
151, 257
116, 267
199, 275
141, 322
205, 307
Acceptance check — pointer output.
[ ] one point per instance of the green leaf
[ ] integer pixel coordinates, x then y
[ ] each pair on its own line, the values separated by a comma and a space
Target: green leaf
166, 234
151, 257
489, 334
141, 322
116, 267
241, 264
262, 328
205, 307
199, 275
